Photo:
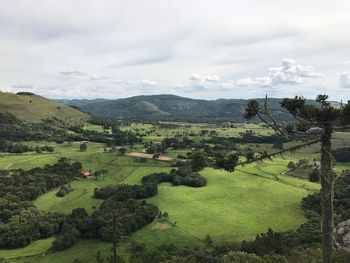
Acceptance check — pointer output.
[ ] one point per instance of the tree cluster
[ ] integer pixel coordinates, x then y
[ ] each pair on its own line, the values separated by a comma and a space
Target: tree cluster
21, 222
149, 185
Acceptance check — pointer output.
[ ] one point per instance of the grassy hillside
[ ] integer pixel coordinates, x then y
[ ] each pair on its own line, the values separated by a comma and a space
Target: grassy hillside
175, 108
231, 207
33, 108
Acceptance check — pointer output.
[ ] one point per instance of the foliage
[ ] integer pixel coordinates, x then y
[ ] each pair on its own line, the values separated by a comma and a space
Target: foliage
226, 161
198, 160
341, 198
149, 185
314, 176
20, 222
342, 155
64, 190
175, 108
83, 147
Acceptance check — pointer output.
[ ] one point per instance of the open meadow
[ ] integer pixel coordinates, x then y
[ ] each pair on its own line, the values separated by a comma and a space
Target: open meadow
231, 207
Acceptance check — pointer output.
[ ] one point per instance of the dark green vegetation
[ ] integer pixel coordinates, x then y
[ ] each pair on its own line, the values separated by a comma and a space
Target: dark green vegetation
146, 207
342, 155
131, 216
149, 185
21, 222
326, 119
173, 108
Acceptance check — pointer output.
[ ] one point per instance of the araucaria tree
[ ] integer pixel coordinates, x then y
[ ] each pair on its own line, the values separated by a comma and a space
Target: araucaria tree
322, 120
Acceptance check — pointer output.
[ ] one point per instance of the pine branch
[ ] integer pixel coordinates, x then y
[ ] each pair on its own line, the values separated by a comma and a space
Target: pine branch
291, 149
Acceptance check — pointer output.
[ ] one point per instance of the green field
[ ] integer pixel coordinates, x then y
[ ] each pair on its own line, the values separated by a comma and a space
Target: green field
232, 207
36, 108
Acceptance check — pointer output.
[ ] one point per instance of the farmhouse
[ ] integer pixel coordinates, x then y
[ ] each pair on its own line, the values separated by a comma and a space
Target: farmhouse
85, 174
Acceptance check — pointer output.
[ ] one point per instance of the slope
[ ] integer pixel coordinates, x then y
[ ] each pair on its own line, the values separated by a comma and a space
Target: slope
33, 108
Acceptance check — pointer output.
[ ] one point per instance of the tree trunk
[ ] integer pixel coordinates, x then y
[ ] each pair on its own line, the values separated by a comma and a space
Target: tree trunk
114, 239
327, 192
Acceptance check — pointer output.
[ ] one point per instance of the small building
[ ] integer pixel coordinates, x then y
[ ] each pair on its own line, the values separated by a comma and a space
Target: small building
257, 155
84, 142
156, 143
85, 174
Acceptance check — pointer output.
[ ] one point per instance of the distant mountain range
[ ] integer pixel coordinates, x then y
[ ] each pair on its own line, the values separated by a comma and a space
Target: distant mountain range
173, 108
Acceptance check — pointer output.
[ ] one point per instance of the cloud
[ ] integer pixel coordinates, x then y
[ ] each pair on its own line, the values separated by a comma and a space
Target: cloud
212, 78
344, 80
97, 77
156, 57
208, 78
66, 45
73, 73
196, 77
246, 82
18, 88
290, 73
148, 83
190, 87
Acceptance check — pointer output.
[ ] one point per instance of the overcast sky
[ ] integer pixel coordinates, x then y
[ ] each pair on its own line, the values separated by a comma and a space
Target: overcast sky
193, 48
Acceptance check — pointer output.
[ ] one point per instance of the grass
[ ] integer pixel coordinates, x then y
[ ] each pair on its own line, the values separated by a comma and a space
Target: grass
83, 190
36, 108
232, 207
236, 206
84, 250
187, 128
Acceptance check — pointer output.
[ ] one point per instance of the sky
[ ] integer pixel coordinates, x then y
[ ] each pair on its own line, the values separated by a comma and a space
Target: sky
193, 48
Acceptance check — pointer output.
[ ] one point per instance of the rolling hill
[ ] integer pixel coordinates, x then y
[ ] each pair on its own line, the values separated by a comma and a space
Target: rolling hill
32, 108
173, 108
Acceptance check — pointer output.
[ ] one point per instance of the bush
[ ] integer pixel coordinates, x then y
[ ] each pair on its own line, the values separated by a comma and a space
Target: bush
64, 190
65, 240
342, 155
314, 176
241, 257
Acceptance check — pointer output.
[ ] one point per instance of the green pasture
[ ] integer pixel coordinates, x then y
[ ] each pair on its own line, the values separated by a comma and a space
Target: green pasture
232, 207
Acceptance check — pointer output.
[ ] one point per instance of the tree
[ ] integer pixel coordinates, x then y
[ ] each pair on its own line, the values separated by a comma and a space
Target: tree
83, 147
198, 160
155, 156
325, 119
226, 161
291, 165
166, 215
117, 210
103, 172
122, 151
208, 240
97, 174
314, 176
249, 155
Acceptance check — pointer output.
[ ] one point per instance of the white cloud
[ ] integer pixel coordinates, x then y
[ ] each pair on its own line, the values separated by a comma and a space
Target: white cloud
127, 45
72, 72
290, 73
208, 78
246, 82
148, 83
345, 80
97, 77
196, 77
212, 78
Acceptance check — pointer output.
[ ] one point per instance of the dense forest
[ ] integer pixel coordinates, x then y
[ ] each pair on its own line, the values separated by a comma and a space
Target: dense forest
173, 108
